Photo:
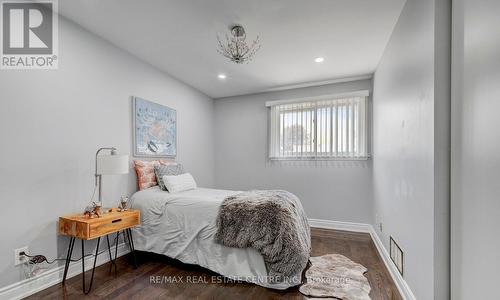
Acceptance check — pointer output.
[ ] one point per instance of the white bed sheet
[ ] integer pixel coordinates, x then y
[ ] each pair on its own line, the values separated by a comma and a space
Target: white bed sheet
182, 226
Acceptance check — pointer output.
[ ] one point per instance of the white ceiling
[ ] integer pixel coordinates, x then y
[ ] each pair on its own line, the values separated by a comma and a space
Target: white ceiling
179, 37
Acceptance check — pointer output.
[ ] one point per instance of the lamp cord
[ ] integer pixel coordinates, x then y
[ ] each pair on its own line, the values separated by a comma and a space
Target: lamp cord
93, 194
38, 259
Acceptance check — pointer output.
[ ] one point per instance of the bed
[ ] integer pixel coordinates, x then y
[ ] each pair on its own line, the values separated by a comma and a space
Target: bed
183, 225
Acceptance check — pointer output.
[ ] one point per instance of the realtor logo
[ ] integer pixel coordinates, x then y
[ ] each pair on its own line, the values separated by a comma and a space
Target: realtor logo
29, 35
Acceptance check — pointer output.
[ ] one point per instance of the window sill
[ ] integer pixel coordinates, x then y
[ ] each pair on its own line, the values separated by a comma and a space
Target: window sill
319, 158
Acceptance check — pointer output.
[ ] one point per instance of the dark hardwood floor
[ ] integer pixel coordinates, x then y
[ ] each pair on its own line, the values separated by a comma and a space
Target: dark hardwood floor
130, 283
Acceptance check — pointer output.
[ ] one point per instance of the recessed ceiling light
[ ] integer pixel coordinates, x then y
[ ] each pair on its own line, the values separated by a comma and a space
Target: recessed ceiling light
222, 76
319, 59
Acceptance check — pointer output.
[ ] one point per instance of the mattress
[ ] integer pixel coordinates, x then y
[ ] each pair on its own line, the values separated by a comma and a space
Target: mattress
183, 225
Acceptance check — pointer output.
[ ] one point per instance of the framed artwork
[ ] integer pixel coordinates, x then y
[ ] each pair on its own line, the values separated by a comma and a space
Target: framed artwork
155, 129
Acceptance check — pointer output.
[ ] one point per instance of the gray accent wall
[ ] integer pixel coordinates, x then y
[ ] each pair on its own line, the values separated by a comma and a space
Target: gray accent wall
53, 121
475, 150
334, 190
411, 111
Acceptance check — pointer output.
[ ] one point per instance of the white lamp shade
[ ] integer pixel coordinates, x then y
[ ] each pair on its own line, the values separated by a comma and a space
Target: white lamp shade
112, 164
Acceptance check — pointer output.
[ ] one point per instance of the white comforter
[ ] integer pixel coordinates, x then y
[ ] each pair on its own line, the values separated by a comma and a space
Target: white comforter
182, 226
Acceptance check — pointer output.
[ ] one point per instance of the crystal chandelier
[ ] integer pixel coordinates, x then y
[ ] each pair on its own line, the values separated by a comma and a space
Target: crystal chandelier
236, 48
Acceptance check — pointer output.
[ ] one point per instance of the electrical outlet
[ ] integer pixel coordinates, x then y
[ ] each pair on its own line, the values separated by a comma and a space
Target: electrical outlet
18, 258
378, 222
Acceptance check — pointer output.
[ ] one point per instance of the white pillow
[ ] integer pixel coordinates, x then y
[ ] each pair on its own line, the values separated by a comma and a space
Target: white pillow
179, 183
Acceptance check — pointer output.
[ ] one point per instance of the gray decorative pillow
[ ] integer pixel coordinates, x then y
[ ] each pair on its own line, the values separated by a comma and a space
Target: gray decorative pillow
170, 169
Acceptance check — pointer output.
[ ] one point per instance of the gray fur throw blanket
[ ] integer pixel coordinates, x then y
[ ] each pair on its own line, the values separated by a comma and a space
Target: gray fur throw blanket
272, 222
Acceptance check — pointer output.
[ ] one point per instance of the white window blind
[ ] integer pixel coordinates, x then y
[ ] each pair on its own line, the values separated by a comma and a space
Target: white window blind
334, 128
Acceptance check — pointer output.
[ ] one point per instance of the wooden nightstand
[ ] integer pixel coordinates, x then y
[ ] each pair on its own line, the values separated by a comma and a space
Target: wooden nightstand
81, 227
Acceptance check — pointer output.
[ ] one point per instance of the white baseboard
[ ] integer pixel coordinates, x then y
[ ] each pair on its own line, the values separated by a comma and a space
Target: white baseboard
401, 284
337, 225
54, 276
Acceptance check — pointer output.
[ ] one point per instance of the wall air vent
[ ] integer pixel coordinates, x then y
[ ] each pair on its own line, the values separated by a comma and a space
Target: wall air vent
397, 255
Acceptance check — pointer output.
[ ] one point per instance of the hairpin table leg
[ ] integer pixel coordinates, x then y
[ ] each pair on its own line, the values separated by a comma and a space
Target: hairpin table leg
117, 242
68, 258
131, 245
93, 269
111, 260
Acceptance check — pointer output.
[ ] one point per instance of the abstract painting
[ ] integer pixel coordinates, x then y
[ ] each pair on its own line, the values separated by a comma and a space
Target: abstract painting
155, 129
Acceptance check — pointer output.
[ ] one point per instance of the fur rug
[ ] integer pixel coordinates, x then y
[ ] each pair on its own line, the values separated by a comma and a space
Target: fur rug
334, 275
272, 222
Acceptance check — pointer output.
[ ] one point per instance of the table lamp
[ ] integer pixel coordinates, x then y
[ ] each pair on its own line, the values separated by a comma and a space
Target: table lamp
110, 164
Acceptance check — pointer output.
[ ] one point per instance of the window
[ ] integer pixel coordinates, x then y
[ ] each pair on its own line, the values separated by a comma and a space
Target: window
333, 127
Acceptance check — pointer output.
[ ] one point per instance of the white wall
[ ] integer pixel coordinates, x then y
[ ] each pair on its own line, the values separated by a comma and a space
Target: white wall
411, 145
52, 122
475, 150
338, 191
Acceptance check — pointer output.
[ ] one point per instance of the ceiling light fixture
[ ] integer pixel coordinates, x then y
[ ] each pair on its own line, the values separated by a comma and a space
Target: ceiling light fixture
319, 59
236, 48
222, 76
